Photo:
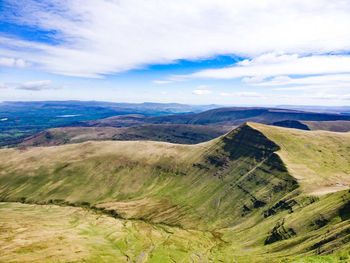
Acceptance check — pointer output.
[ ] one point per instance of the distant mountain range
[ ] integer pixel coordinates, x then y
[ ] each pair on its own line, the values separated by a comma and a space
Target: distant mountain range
22, 119
321, 109
165, 122
232, 116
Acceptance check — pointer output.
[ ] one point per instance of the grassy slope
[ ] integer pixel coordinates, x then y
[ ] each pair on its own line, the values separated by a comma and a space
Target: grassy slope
78, 235
50, 233
186, 134
236, 187
203, 178
320, 160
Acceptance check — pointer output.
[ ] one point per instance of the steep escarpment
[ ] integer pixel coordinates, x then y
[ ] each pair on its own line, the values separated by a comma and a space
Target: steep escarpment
248, 173
210, 185
242, 187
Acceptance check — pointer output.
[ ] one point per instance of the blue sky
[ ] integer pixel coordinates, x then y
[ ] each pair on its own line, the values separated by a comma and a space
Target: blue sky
249, 52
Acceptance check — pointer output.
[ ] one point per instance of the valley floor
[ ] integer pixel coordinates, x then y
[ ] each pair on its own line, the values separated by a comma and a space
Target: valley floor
51, 233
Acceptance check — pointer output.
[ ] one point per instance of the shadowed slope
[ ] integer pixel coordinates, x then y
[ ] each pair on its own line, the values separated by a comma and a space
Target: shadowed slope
291, 124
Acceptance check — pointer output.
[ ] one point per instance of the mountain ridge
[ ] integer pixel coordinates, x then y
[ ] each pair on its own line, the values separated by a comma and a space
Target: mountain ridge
221, 116
237, 187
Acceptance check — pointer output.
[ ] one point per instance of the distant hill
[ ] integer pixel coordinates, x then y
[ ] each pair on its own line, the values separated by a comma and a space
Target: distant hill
256, 194
175, 133
291, 124
222, 116
22, 119
172, 128
345, 110
335, 126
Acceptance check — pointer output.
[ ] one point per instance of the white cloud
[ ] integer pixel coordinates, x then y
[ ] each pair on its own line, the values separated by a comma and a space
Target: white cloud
314, 87
36, 85
269, 58
329, 79
320, 96
96, 37
254, 79
202, 90
312, 96
161, 82
293, 65
242, 94
12, 62
3, 86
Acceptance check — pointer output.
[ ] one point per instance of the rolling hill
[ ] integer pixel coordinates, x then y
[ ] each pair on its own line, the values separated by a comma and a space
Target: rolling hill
20, 119
222, 116
172, 128
336, 126
345, 110
257, 194
175, 133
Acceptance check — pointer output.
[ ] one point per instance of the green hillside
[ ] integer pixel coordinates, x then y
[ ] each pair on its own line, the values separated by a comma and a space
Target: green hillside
319, 160
257, 194
175, 133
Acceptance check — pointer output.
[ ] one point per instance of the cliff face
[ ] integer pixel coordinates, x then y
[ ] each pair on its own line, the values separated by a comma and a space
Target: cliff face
250, 174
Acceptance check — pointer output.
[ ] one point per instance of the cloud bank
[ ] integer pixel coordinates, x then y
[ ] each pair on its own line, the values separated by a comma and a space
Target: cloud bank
12, 62
268, 65
287, 72
91, 38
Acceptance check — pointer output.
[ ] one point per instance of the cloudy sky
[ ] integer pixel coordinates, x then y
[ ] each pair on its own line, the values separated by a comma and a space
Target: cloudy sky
249, 52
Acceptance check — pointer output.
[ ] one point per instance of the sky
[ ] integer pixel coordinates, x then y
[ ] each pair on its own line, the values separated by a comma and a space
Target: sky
228, 52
